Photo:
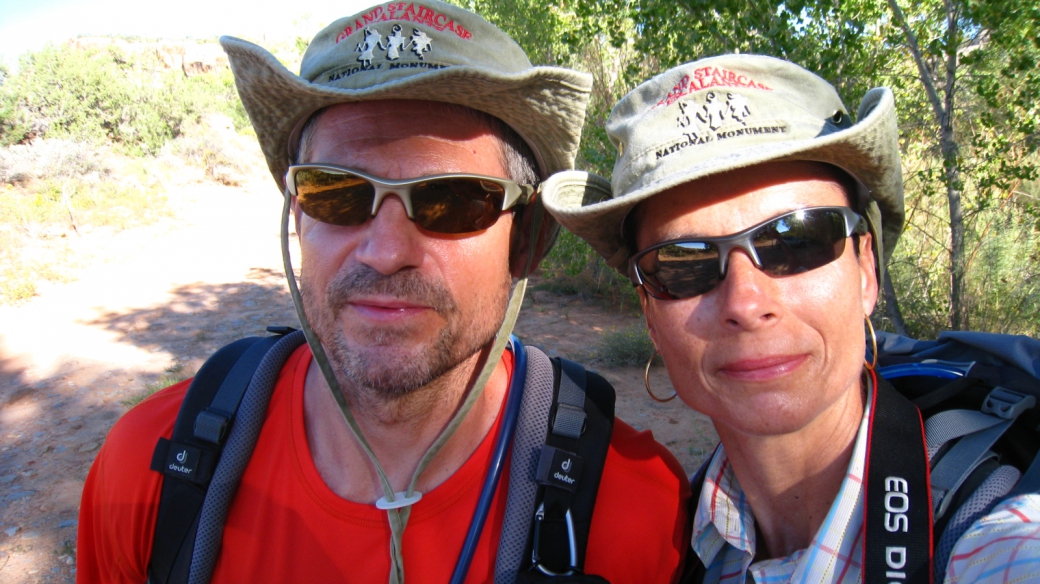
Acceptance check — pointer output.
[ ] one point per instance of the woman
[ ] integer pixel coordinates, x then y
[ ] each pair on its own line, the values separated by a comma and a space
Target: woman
755, 217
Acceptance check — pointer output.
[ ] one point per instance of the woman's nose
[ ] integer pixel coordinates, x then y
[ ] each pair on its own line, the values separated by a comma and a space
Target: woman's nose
747, 296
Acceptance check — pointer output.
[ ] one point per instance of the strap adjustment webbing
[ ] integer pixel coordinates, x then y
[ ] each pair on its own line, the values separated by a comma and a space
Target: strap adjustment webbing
578, 437
977, 431
570, 417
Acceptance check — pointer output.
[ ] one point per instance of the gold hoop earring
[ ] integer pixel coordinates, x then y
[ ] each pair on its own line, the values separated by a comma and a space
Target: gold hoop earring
873, 345
646, 379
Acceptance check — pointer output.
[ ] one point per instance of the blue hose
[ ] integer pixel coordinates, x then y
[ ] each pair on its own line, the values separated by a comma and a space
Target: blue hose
498, 459
932, 368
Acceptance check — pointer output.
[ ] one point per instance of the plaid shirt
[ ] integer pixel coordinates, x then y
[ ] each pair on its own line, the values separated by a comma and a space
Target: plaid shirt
1003, 546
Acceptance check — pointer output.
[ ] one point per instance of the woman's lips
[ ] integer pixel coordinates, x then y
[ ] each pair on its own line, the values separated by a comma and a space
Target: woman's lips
762, 369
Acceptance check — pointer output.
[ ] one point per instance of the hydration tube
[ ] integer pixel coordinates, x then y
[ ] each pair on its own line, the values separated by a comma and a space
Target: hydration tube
930, 367
498, 458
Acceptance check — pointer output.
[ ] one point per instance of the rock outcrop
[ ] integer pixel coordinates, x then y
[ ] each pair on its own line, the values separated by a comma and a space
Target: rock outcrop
191, 57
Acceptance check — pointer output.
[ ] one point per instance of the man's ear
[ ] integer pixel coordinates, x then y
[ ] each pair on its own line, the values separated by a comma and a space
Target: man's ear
534, 233
868, 273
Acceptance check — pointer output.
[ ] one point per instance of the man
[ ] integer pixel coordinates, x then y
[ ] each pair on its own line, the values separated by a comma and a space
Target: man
413, 216
756, 219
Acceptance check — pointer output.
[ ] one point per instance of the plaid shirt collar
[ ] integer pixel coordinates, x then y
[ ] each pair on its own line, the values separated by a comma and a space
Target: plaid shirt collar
724, 529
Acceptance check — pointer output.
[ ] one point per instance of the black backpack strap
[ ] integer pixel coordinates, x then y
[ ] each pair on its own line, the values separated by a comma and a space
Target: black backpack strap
238, 449
513, 548
189, 458
570, 465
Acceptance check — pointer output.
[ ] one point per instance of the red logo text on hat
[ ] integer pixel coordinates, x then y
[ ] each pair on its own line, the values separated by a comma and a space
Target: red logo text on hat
706, 77
406, 11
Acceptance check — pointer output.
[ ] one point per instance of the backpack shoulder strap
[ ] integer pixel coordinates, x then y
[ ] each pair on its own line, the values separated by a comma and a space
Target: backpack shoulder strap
531, 427
559, 451
188, 460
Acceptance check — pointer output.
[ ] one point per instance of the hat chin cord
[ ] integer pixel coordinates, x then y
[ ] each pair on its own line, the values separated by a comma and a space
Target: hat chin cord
398, 505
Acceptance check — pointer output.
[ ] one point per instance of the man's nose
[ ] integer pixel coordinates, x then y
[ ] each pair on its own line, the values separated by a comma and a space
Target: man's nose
391, 241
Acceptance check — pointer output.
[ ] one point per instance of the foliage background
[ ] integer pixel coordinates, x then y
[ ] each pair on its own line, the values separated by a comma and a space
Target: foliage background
976, 59
965, 74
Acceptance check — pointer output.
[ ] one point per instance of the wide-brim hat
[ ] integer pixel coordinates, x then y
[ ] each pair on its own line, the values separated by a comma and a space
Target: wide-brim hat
416, 50
726, 113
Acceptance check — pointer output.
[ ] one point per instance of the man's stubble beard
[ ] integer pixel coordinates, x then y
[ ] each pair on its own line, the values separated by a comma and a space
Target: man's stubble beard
373, 370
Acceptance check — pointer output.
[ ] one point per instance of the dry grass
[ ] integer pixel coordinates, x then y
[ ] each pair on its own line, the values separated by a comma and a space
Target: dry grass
45, 221
625, 347
175, 373
58, 198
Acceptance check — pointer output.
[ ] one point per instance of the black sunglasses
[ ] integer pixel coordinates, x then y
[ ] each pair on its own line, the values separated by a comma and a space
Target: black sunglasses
443, 203
792, 243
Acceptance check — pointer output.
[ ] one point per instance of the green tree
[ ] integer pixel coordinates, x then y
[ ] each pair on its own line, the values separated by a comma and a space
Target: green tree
966, 79
976, 71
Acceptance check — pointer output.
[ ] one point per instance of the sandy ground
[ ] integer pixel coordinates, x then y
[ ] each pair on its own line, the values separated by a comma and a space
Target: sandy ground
165, 297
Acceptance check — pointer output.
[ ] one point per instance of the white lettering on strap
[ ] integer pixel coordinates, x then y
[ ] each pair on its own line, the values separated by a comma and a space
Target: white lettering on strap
896, 505
895, 557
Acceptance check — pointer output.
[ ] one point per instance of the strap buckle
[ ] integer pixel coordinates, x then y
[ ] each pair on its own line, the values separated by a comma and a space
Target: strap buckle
1007, 404
536, 559
212, 425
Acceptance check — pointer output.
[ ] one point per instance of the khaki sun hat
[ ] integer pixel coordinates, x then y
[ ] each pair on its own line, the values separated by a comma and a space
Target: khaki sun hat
725, 113
411, 50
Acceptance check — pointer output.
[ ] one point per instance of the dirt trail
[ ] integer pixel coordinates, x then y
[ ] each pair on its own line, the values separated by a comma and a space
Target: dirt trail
168, 295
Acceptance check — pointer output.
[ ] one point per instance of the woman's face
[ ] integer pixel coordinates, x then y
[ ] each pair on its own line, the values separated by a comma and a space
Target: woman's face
761, 354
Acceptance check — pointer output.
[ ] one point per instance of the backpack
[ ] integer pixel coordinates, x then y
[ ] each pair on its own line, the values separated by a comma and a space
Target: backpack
976, 394
558, 423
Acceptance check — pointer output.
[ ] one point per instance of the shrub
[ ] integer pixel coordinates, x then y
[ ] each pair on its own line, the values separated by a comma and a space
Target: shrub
96, 95
572, 267
626, 347
1002, 287
46, 159
213, 145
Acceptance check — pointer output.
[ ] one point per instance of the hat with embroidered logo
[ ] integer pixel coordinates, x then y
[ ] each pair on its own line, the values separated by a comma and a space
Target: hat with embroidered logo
425, 50
726, 113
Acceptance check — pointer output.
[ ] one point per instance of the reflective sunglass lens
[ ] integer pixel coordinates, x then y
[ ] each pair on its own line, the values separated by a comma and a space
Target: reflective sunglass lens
444, 205
800, 242
457, 205
334, 198
791, 244
682, 270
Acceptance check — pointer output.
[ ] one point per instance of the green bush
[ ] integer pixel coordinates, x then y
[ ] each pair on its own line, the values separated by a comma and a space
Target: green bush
572, 267
103, 95
1002, 286
626, 347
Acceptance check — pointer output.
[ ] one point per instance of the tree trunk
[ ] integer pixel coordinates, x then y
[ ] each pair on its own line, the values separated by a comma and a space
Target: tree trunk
958, 311
895, 316
68, 206
943, 110
948, 143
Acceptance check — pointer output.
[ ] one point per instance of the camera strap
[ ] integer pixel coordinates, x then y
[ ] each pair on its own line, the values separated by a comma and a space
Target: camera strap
898, 507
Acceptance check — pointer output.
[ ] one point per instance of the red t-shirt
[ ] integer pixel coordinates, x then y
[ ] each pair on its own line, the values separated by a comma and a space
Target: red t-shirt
286, 525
